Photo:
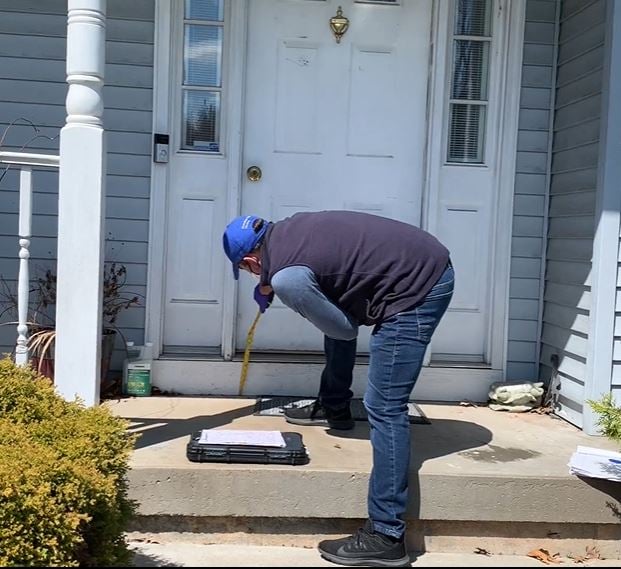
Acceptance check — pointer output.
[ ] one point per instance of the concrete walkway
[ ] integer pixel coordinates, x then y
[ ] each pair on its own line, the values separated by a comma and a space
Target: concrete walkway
196, 555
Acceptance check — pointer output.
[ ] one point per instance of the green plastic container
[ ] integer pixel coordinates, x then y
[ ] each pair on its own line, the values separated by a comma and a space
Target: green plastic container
138, 379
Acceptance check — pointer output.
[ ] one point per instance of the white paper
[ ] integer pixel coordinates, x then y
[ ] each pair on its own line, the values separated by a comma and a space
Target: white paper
596, 463
233, 437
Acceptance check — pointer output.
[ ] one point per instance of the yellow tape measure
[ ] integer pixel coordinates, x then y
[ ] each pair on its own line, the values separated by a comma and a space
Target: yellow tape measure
249, 340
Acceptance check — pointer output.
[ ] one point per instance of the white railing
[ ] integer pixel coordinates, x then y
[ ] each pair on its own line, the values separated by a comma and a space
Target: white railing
25, 161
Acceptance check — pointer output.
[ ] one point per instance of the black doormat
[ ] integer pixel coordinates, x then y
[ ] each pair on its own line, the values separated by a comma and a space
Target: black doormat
275, 406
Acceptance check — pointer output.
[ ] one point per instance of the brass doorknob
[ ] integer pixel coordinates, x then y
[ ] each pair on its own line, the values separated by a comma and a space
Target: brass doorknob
254, 173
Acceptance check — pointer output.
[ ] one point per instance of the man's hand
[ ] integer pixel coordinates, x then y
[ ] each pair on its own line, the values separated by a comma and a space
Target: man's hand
264, 295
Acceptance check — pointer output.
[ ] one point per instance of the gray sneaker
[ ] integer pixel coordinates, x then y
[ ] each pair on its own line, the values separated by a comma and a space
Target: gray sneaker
366, 547
316, 414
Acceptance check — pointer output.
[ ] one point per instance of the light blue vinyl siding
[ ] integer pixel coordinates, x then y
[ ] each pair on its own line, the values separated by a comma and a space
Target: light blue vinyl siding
530, 189
572, 201
32, 86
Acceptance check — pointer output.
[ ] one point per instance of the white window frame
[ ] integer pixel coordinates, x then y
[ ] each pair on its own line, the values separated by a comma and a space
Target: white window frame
177, 49
492, 88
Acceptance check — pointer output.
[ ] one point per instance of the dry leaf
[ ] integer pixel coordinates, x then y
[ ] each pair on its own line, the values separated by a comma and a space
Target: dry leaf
467, 403
481, 551
337, 445
592, 552
544, 556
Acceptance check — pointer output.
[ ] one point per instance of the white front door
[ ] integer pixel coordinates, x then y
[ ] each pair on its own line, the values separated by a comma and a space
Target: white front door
331, 125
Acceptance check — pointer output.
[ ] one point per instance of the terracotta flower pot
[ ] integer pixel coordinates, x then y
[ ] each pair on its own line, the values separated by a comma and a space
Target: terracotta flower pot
45, 365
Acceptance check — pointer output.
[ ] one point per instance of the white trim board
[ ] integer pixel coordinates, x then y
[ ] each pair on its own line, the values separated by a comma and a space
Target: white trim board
294, 379
608, 221
236, 74
513, 43
158, 222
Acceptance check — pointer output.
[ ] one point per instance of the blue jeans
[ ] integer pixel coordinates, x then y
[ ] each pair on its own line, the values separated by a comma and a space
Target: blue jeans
397, 350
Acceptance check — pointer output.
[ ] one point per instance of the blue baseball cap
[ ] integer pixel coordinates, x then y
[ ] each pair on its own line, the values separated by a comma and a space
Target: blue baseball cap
242, 236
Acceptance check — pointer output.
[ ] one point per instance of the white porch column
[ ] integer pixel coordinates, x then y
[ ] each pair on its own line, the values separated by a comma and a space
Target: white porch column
81, 210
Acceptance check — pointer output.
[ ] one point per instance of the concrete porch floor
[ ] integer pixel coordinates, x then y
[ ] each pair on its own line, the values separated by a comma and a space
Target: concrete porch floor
478, 478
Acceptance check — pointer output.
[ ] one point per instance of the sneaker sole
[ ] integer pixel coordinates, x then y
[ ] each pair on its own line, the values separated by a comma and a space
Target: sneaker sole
374, 562
339, 425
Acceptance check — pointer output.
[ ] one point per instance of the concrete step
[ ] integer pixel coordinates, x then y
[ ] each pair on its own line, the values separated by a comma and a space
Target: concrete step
183, 554
478, 478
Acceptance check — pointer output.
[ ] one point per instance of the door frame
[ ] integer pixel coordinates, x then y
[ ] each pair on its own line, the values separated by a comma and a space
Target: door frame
510, 42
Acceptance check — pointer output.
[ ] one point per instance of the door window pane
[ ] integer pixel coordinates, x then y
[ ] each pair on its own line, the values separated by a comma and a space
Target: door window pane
473, 18
201, 83
467, 133
470, 70
201, 110
211, 10
202, 56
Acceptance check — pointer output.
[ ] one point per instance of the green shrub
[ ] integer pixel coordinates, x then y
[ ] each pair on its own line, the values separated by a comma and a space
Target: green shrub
609, 417
63, 492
